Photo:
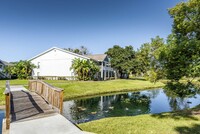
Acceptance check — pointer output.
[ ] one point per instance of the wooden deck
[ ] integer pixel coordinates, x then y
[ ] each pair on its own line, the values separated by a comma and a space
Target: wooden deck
28, 112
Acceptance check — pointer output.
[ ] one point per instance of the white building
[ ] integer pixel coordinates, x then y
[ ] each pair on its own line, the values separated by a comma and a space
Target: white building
55, 63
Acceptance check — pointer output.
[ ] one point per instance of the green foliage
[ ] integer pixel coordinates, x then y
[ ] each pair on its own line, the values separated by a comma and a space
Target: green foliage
152, 76
2, 96
85, 69
82, 50
143, 59
186, 20
23, 69
122, 59
144, 62
148, 59
181, 57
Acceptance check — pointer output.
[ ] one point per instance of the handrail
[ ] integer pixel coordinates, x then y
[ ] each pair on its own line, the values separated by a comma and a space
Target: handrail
53, 95
7, 100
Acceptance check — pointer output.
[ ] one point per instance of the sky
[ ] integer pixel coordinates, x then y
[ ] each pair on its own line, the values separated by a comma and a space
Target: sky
29, 27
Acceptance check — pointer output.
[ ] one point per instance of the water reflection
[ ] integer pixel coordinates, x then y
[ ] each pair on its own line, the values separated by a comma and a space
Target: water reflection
180, 90
107, 106
2, 112
178, 94
127, 104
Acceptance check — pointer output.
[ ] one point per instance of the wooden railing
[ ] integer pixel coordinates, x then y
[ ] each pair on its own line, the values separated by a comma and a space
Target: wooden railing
7, 98
53, 95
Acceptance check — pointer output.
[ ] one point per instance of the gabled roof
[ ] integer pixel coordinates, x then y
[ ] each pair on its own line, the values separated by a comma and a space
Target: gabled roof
97, 57
56, 48
5, 63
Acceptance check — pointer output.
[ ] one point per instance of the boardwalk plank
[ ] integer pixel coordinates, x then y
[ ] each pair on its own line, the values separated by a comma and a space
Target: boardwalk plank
27, 105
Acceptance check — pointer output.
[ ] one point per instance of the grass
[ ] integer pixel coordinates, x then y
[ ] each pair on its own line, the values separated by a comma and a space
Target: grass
12, 82
2, 97
76, 89
184, 122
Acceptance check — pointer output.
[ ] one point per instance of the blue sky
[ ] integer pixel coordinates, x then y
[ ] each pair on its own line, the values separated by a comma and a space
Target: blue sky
29, 27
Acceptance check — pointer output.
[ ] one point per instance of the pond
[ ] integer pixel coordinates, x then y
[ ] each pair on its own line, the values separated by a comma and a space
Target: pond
127, 104
2, 114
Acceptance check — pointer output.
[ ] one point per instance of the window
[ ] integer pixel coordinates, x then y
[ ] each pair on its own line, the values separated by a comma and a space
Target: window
38, 65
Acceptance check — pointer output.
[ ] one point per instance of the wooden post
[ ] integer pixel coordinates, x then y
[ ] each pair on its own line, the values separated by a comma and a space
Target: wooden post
35, 90
7, 106
53, 98
42, 89
7, 110
29, 86
61, 102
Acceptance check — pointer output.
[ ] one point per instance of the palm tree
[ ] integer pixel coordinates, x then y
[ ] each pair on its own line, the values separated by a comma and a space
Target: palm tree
85, 69
23, 69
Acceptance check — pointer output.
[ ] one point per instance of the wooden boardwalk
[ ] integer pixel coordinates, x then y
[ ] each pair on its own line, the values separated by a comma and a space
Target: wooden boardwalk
27, 105
31, 113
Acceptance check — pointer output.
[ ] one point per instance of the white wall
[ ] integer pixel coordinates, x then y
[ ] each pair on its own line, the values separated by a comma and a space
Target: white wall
54, 63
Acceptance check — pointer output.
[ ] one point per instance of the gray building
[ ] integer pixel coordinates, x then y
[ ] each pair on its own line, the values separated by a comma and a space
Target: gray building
3, 64
106, 71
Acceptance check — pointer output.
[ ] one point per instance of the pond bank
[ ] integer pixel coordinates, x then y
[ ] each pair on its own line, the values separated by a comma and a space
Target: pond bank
184, 121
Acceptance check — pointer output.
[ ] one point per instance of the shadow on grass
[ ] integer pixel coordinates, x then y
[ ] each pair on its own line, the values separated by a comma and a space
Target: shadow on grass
195, 129
142, 79
182, 114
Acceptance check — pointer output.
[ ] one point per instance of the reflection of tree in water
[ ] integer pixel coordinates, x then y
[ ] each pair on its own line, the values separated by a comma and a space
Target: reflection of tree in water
133, 104
153, 93
84, 107
178, 103
109, 106
178, 93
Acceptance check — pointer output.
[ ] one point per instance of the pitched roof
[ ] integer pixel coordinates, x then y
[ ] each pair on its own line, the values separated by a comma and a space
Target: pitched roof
56, 48
97, 57
5, 63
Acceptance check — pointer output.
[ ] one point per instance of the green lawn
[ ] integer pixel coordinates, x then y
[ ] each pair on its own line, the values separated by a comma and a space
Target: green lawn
181, 122
89, 88
12, 82
75, 89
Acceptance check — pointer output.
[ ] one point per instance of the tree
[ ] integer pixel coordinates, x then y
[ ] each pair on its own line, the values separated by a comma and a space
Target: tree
84, 69
186, 20
156, 69
183, 47
122, 59
148, 59
82, 50
143, 59
22, 69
